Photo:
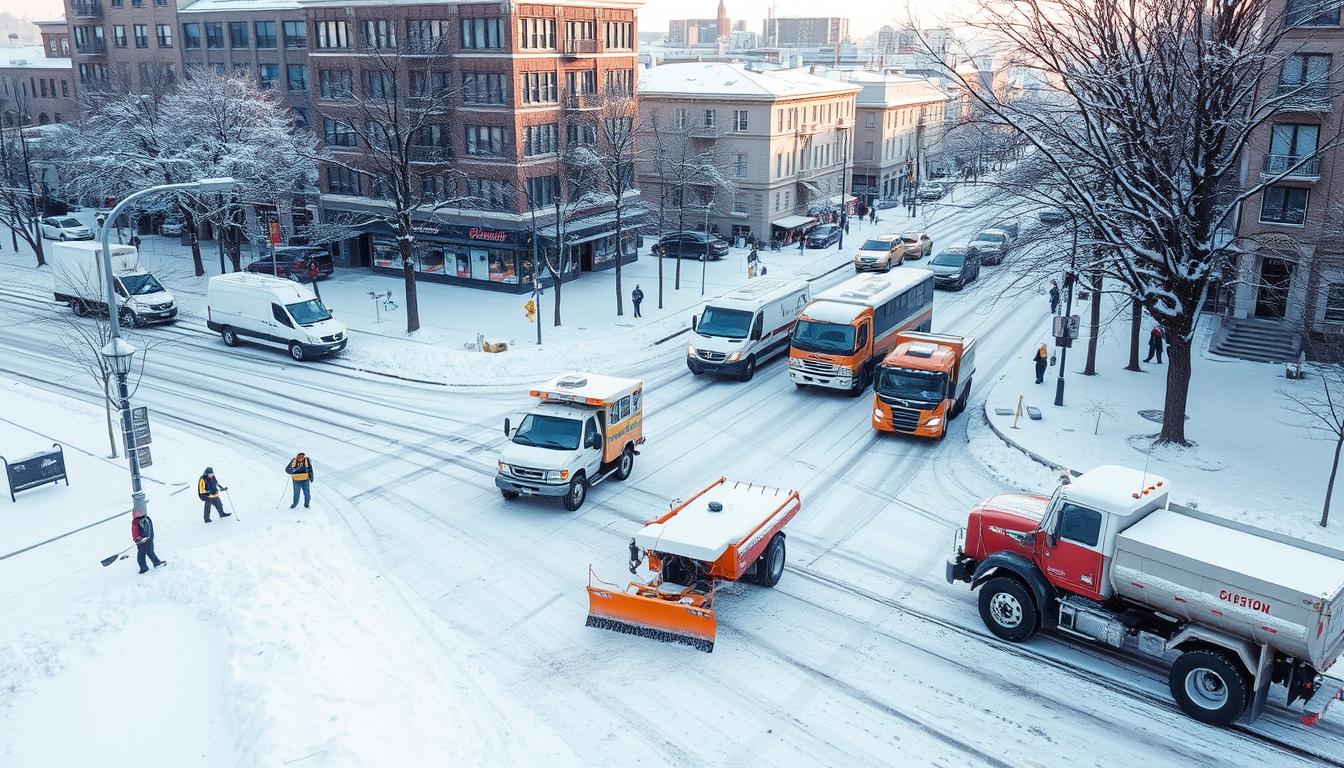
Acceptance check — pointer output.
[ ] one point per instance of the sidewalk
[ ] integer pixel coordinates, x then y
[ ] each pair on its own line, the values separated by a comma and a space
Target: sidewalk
1251, 460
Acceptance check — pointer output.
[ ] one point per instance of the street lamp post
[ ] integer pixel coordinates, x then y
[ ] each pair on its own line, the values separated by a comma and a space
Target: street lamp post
1070, 279
704, 259
120, 353
844, 193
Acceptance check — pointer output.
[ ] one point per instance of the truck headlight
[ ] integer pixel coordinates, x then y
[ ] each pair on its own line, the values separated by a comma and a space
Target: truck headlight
933, 422
556, 475
733, 358
795, 363
503, 468
690, 350
877, 414
313, 339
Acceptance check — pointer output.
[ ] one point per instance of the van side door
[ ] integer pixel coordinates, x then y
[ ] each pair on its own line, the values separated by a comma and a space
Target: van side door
279, 322
594, 440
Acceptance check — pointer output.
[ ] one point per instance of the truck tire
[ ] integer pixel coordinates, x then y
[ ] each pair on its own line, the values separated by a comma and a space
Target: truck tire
626, 464
1210, 686
296, 351
1007, 609
128, 319
749, 371
860, 384
508, 495
770, 565
230, 337
577, 493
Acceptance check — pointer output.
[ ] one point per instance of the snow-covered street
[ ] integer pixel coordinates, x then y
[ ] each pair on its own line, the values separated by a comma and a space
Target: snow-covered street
413, 594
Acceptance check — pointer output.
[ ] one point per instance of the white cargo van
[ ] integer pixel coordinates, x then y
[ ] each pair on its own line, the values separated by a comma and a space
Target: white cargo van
741, 329
271, 310
77, 281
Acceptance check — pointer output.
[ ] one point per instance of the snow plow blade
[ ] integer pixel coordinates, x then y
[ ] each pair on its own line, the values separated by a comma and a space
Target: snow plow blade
635, 614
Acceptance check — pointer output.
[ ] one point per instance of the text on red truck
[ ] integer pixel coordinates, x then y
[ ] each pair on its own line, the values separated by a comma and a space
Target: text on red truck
1244, 601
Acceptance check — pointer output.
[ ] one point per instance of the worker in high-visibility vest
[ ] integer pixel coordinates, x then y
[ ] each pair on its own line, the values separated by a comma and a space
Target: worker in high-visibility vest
207, 489
300, 471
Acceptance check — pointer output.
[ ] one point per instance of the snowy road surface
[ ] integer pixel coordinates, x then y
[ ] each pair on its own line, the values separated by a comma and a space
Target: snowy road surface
861, 656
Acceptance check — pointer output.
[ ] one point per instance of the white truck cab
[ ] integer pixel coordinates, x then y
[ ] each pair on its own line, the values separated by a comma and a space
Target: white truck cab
743, 328
584, 429
77, 275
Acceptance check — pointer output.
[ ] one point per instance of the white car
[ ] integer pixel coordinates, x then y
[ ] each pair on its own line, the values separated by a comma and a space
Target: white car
64, 228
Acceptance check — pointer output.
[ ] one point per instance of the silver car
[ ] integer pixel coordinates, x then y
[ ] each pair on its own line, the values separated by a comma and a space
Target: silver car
64, 228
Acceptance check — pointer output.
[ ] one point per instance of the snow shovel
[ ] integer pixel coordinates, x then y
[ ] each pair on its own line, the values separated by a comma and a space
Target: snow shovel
110, 560
233, 511
666, 612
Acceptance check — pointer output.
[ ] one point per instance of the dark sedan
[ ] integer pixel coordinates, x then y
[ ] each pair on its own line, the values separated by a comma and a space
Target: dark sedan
693, 245
295, 263
823, 236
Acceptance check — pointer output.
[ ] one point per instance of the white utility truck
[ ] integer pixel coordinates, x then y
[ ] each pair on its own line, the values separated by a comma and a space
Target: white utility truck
745, 327
584, 429
1108, 558
77, 281
274, 311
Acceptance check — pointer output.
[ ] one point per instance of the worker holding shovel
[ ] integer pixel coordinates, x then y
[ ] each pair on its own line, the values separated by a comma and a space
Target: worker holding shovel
300, 471
142, 533
208, 488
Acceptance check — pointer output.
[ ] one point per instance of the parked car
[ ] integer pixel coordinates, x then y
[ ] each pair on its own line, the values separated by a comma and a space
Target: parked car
171, 226
929, 191
1052, 216
64, 228
294, 262
694, 245
991, 245
1011, 227
954, 268
823, 236
917, 245
880, 254
884, 203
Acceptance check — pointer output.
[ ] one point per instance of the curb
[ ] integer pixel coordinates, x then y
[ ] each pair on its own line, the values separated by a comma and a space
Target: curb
1039, 459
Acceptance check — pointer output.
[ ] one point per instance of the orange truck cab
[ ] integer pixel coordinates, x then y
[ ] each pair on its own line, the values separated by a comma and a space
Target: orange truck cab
924, 383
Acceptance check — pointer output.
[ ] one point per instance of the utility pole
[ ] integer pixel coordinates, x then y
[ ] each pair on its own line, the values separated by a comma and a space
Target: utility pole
1069, 279
536, 279
704, 259
844, 187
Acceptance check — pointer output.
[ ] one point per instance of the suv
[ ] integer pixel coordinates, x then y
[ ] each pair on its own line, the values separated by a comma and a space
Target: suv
917, 245
929, 191
294, 262
694, 245
954, 268
823, 236
1051, 216
991, 245
880, 254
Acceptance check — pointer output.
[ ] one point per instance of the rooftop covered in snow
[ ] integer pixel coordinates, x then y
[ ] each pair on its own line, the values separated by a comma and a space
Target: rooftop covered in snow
726, 80
30, 57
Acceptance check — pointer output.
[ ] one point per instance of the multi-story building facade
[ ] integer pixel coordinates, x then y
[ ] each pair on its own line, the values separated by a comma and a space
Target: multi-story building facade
1290, 265
899, 125
806, 32
35, 88
784, 139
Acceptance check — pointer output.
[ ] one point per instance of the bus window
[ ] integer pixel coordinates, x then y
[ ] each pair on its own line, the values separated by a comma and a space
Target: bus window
625, 408
636, 400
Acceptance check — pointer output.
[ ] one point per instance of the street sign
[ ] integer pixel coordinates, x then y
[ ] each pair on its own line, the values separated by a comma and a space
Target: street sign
530, 309
142, 453
1066, 327
275, 232
140, 425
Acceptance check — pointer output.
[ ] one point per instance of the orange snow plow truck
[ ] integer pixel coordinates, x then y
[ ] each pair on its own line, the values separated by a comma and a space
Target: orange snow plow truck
924, 383
729, 531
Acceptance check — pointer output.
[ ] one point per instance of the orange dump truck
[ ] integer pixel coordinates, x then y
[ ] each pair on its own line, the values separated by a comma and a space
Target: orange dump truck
923, 383
729, 531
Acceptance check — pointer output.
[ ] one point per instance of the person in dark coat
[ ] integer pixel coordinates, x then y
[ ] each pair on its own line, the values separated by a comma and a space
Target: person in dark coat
1042, 359
207, 489
1155, 340
300, 471
1054, 298
636, 298
142, 533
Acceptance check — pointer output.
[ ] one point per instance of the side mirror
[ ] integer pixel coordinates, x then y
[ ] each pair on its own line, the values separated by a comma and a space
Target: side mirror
695, 320
506, 428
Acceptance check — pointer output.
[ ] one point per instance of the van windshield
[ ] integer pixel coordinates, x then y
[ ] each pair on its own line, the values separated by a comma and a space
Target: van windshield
308, 312
554, 432
827, 338
140, 285
730, 323
910, 384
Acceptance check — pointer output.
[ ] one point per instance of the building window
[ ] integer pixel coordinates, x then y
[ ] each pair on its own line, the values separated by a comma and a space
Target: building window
739, 120
342, 181
485, 88
580, 133
296, 77
237, 34
429, 85
65, 92
536, 33
1312, 13
541, 139
577, 30
119, 35
711, 119
380, 84
739, 205
296, 34
1289, 145
214, 35
539, 88
191, 36
1334, 303
487, 140
433, 144
740, 167
619, 34
332, 34
620, 82
137, 3
165, 35
337, 133
1283, 205
335, 83
141, 32
425, 36
265, 32
1305, 74
380, 34
679, 117
542, 190
437, 188
482, 33
267, 74
489, 194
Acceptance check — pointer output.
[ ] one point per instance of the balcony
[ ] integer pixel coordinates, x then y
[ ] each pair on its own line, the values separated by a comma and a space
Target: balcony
704, 132
576, 48
91, 48
86, 9
1305, 97
810, 129
1279, 165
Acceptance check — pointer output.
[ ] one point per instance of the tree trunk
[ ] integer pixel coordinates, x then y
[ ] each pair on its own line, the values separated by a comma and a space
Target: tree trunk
1094, 318
1178, 390
197, 262
558, 281
1135, 327
37, 247
681, 227
408, 273
620, 306
112, 435
1330, 486
236, 249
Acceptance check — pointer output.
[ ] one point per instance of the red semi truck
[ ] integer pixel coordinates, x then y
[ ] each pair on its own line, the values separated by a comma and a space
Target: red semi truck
1109, 559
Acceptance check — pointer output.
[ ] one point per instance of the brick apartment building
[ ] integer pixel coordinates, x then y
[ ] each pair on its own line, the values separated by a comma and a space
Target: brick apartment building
517, 70
37, 85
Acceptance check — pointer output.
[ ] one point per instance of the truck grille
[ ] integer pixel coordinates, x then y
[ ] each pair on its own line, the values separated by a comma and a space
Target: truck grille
903, 419
711, 356
816, 366
333, 337
161, 307
528, 473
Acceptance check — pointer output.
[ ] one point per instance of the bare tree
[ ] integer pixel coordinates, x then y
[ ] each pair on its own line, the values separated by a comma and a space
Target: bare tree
1322, 410
610, 162
18, 199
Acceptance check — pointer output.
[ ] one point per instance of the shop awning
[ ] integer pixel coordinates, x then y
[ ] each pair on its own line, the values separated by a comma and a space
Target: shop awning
633, 219
812, 189
792, 222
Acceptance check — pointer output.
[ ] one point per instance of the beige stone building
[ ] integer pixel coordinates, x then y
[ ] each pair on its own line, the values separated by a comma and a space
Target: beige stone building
783, 139
897, 134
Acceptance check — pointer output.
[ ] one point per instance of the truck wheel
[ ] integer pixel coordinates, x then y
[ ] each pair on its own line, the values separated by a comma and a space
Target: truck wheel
577, 493
1210, 686
627, 463
129, 319
748, 371
1007, 609
230, 337
296, 350
508, 495
770, 566
860, 384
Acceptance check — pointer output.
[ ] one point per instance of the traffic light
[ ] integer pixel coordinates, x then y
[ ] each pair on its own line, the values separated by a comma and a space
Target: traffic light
530, 309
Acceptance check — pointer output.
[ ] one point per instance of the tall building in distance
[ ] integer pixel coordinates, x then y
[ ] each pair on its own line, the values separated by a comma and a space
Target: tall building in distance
724, 27
700, 33
806, 32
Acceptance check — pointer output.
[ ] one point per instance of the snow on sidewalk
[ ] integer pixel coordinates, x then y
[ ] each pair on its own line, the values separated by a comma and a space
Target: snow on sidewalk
1251, 459
267, 639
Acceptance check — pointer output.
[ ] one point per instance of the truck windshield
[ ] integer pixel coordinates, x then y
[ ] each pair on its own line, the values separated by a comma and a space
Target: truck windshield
729, 323
308, 312
554, 432
910, 384
827, 338
140, 285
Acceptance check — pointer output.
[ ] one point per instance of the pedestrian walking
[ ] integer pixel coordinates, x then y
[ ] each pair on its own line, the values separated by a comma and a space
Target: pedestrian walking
207, 489
1155, 340
135, 241
142, 533
1042, 359
872, 215
636, 298
846, 220
1054, 298
300, 471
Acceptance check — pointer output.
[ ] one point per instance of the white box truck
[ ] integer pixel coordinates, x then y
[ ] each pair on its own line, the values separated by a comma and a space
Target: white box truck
743, 328
273, 311
77, 281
